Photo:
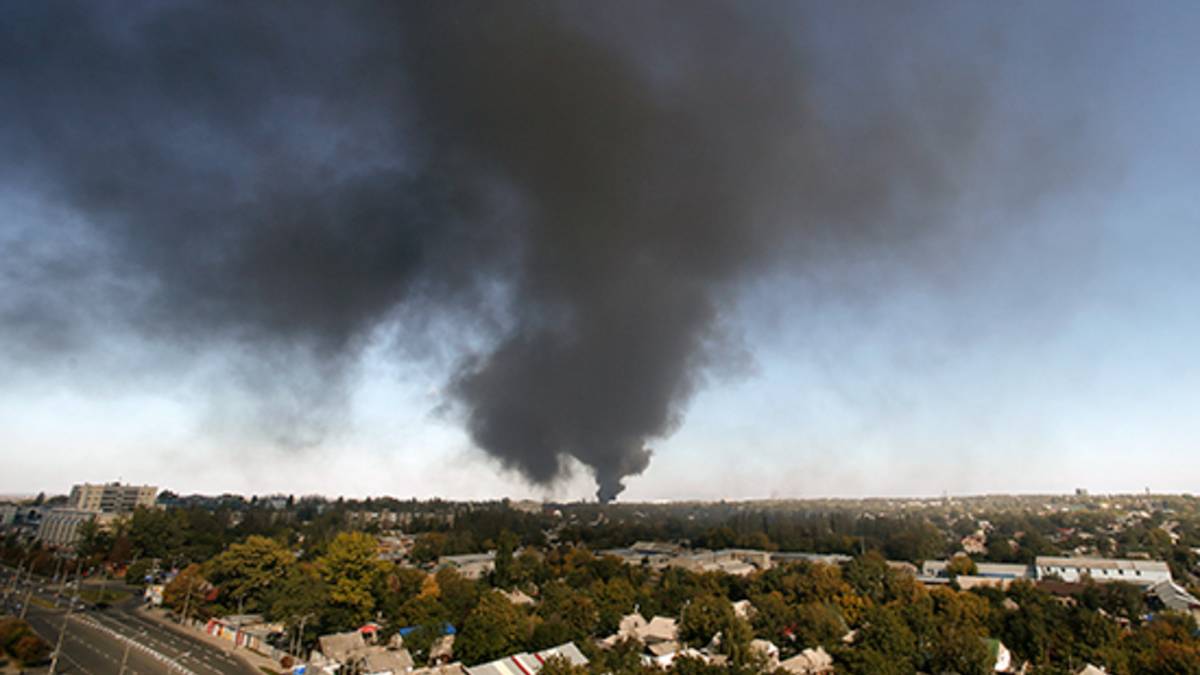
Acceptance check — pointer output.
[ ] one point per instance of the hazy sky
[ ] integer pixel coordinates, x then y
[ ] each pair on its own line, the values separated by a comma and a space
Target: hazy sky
707, 250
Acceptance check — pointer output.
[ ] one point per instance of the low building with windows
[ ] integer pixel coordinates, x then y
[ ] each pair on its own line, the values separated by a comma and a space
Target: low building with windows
1140, 572
471, 565
59, 528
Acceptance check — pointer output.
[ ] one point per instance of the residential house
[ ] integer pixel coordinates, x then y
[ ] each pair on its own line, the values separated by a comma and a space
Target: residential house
527, 664
809, 662
519, 597
351, 651
660, 636
386, 662
1172, 596
767, 651
244, 630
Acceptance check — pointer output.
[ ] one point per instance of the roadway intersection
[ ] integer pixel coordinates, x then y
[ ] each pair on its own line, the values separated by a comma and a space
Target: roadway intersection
96, 640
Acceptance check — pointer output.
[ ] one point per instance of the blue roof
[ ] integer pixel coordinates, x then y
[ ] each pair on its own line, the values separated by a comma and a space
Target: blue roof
447, 629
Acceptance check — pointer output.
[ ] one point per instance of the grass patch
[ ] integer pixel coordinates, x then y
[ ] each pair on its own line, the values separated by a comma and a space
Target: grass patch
41, 602
105, 596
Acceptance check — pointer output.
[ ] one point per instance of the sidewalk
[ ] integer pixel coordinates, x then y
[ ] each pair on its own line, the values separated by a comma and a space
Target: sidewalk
251, 658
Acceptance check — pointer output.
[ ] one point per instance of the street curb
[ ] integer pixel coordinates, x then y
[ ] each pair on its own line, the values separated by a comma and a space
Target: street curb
176, 628
171, 664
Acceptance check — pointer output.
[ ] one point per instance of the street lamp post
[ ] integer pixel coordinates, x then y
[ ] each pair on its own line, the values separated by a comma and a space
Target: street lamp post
62, 630
25, 605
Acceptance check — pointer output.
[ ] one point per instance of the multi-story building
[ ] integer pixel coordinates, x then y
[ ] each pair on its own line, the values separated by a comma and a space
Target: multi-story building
8, 514
60, 527
111, 497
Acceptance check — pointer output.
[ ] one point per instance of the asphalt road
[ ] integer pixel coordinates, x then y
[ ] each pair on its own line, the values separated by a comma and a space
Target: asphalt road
95, 640
89, 651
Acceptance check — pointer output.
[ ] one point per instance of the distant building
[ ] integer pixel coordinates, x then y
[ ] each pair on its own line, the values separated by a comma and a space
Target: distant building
111, 497
471, 565
8, 514
1140, 572
990, 570
60, 527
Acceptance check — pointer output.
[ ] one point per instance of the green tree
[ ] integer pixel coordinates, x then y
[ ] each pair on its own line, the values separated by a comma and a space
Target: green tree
703, 618
528, 569
495, 628
568, 614
350, 570
773, 617
884, 631
299, 600
868, 575
428, 616
614, 599
399, 586
960, 650
246, 571
736, 635
960, 565
156, 533
136, 573
502, 575
818, 623
457, 593
558, 665
429, 547
186, 592
1166, 645
93, 541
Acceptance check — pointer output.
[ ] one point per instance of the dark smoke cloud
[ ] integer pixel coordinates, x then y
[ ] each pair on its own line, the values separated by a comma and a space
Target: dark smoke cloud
587, 183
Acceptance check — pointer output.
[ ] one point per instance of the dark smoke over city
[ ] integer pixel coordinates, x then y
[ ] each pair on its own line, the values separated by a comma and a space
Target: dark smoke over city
585, 188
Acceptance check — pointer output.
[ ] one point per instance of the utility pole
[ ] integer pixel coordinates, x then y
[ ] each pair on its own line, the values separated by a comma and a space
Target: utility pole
12, 585
62, 630
59, 587
300, 636
186, 600
25, 605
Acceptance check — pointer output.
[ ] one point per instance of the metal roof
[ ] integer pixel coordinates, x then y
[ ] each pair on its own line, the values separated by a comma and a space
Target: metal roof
1103, 563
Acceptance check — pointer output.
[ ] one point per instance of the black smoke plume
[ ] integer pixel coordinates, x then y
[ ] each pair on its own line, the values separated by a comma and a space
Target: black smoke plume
588, 184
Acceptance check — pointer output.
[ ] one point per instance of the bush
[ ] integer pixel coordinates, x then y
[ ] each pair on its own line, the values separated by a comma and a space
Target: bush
11, 630
135, 574
30, 649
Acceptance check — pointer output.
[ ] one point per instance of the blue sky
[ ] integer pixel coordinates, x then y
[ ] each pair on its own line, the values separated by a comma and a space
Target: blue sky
1032, 346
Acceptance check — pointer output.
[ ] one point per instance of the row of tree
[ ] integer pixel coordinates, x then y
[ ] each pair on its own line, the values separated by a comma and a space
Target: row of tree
871, 617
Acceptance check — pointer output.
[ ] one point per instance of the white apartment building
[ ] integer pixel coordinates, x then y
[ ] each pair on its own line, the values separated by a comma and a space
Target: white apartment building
111, 497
